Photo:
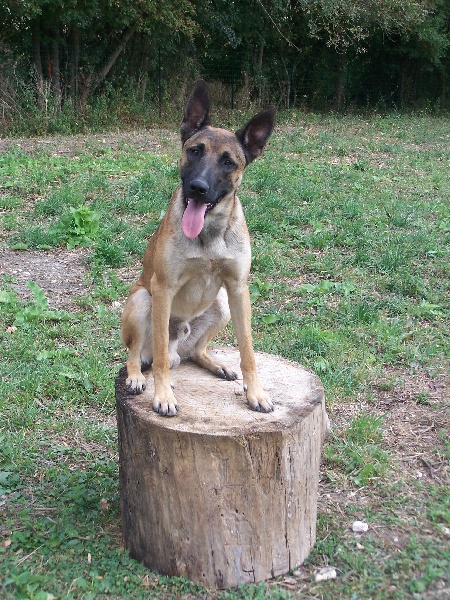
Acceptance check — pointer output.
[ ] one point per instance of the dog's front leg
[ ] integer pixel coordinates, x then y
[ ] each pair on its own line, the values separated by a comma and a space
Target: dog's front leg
164, 401
240, 309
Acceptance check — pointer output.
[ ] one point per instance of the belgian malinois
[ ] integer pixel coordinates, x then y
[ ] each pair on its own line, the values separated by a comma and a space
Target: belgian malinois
197, 262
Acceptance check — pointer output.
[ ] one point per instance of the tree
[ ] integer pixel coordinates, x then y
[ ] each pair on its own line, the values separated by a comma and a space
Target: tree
427, 43
347, 25
41, 28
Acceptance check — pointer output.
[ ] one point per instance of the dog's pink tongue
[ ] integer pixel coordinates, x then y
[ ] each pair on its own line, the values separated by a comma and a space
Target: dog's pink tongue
193, 218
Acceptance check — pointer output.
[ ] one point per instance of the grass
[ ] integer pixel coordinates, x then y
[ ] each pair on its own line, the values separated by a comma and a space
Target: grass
350, 225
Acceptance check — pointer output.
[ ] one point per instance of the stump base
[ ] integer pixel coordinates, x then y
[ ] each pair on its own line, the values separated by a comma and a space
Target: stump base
219, 493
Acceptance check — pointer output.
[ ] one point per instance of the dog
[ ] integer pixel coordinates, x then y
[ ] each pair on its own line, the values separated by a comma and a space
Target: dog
196, 264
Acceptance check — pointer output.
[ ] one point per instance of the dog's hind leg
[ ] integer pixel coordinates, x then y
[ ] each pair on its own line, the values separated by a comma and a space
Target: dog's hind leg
136, 334
203, 329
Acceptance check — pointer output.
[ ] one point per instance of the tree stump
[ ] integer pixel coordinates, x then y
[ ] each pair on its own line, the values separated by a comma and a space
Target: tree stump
221, 494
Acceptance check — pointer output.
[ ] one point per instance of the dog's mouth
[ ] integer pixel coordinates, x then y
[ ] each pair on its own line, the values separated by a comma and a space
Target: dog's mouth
194, 216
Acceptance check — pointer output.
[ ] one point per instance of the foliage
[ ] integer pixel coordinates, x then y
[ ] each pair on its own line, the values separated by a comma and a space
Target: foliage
349, 23
64, 69
38, 310
80, 227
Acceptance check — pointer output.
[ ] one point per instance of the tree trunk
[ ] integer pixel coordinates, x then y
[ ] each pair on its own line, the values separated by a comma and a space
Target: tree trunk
219, 493
339, 98
144, 68
144, 79
75, 39
93, 81
56, 78
260, 56
260, 74
37, 63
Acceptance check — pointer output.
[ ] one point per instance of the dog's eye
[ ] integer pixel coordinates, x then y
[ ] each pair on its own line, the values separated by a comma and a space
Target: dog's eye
228, 162
195, 151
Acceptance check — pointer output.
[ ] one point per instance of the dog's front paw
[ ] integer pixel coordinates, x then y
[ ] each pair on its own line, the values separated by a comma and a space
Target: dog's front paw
165, 404
136, 384
260, 401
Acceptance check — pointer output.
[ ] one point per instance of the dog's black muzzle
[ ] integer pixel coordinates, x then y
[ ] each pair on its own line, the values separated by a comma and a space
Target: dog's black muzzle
200, 190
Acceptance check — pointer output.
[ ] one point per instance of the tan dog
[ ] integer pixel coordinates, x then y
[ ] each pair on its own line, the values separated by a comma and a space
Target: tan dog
196, 265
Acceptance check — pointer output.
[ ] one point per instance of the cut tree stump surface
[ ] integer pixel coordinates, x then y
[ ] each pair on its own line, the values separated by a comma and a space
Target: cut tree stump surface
219, 493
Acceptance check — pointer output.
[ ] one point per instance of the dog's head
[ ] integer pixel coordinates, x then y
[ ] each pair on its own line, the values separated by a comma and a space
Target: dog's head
214, 159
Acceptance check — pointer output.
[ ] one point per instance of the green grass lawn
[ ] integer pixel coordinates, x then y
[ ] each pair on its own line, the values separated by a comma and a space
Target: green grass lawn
350, 223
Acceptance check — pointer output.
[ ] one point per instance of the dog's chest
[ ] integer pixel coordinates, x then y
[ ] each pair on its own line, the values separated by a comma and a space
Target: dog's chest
198, 287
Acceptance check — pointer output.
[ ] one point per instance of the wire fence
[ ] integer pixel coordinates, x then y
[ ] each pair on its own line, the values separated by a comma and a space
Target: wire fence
292, 84
162, 80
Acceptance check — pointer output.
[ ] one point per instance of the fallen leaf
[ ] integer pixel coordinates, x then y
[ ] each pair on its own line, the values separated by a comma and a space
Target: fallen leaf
6, 543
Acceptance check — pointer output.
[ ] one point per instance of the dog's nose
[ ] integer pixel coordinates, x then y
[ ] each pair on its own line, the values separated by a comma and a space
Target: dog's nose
199, 186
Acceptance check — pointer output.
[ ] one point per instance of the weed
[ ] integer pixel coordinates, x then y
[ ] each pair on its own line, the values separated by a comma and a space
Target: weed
80, 227
357, 449
258, 289
107, 285
364, 312
38, 310
111, 255
58, 201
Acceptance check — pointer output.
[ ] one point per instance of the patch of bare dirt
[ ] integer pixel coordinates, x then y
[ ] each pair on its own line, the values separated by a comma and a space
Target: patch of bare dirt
417, 425
416, 435
60, 273
147, 141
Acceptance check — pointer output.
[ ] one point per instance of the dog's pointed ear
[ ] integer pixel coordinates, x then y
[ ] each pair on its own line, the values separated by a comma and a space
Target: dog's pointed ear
196, 115
254, 135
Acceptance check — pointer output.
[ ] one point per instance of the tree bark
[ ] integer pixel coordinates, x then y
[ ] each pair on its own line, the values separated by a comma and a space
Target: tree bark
219, 493
37, 62
260, 74
144, 78
260, 56
339, 98
56, 78
75, 40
